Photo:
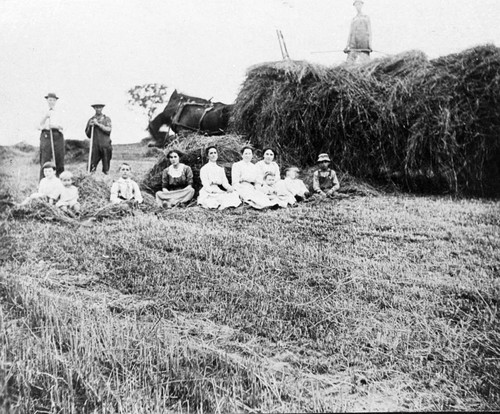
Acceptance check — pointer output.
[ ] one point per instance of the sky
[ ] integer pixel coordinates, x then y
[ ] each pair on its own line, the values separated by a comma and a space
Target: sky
88, 51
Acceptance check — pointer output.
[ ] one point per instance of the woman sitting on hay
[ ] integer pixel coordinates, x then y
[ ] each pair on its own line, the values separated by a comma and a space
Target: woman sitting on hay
177, 183
246, 179
216, 192
268, 165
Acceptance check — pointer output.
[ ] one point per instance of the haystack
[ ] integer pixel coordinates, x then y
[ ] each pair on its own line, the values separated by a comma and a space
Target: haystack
430, 125
192, 149
95, 196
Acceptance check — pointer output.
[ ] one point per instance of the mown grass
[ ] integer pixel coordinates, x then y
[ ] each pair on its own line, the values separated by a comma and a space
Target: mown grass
364, 303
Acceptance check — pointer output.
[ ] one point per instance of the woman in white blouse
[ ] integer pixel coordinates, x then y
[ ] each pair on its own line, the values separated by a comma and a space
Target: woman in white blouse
268, 165
246, 179
216, 192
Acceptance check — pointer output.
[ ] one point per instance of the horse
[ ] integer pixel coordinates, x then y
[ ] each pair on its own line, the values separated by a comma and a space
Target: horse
195, 117
189, 113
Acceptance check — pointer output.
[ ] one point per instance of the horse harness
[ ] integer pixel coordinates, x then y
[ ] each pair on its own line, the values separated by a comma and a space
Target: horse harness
183, 105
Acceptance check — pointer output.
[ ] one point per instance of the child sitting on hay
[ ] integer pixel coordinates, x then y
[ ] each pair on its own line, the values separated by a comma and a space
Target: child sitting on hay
292, 185
325, 182
269, 188
49, 188
125, 189
68, 201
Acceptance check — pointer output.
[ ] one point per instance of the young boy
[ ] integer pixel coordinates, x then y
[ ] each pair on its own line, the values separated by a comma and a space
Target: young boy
49, 188
292, 185
125, 189
68, 202
325, 182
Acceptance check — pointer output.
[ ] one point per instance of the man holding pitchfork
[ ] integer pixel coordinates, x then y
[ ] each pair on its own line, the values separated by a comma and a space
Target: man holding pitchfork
99, 130
359, 43
51, 137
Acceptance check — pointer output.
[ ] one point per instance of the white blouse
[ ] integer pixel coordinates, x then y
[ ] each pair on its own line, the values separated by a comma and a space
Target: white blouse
212, 174
53, 122
271, 167
242, 172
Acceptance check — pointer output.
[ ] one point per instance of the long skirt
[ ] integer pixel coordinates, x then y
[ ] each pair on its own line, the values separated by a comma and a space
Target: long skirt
221, 199
172, 198
254, 198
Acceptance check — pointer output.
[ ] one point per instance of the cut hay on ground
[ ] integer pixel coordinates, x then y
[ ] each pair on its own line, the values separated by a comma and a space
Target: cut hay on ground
94, 198
428, 125
192, 149
41, 211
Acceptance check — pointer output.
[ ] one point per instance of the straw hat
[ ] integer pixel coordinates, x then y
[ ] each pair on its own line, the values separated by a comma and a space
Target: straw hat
324, 157
98, 104
51, 95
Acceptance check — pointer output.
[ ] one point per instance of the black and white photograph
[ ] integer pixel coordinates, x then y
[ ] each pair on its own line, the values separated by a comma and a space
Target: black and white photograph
249, 206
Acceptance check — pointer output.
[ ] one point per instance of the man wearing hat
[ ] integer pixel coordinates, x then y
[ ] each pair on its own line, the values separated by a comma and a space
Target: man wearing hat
359, 43
51, 137
101, 140
325, 182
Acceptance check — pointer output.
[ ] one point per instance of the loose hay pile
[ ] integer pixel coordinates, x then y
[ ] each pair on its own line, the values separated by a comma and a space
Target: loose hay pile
192, 150
94, 198
95, 195
41, 211
428, 125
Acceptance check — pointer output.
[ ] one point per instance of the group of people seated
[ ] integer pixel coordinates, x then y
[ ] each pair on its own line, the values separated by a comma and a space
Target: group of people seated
61, 192
259, 185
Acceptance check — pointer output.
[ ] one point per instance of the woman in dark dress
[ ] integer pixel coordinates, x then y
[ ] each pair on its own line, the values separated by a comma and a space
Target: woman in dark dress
177, 183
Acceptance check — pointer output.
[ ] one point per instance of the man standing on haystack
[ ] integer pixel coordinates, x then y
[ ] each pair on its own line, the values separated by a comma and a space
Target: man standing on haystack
51, 137
359, 43
99, 130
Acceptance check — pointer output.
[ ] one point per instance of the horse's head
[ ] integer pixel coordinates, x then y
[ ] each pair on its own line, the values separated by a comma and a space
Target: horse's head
172, 106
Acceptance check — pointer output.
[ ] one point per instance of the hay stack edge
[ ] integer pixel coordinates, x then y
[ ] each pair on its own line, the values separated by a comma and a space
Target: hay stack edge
428, 125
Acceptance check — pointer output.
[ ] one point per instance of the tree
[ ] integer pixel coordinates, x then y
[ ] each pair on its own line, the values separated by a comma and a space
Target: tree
147, 97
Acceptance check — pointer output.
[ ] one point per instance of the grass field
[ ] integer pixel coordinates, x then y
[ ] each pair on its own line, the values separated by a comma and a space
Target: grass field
364, 303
